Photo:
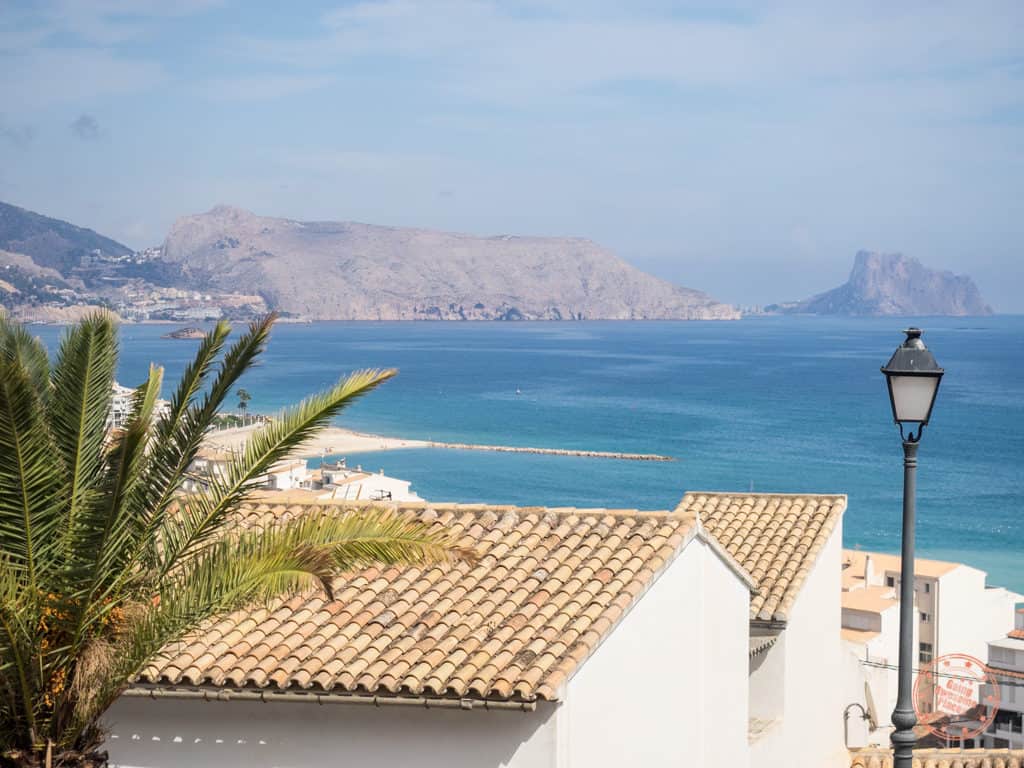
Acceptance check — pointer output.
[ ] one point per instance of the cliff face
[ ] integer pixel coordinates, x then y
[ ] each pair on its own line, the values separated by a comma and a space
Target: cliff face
894, 284
349, 271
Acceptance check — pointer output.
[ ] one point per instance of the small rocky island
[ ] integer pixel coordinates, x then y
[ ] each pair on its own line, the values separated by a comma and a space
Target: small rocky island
893, 284
185, 333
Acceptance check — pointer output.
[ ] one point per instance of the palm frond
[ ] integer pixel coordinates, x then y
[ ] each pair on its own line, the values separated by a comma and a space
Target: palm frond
82, 378
178, 443
179, 432
268, 445
17, 345
110, 527
31, 482
19, 618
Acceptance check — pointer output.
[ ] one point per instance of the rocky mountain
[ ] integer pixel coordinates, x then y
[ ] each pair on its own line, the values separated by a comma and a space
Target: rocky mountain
894, 284
51, 242
350, 271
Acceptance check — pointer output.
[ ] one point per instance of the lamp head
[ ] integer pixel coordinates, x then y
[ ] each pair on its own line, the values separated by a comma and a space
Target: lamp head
913, 378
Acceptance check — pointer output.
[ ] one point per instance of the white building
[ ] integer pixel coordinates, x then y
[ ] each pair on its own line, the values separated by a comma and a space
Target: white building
208, 463
584, 638
121, 406
343, 483
1006, 662
870, 633
288, 476
956, 613
791, 545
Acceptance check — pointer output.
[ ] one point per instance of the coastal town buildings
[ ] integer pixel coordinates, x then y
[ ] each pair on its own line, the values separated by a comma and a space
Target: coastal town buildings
957, 612
579, 638
289, 475
340, 482
1006, 663
121, 406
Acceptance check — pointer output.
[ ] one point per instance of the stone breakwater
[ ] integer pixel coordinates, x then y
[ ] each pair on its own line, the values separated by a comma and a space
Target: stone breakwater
555, 452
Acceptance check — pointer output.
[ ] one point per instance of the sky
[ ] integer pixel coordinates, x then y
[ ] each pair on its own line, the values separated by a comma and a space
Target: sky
748, 149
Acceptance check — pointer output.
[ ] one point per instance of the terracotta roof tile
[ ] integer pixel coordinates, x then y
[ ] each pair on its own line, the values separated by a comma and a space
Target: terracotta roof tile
776, 538
548, 587
873, 757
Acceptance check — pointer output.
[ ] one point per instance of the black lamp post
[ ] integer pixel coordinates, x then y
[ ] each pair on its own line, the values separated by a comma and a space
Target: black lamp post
913, 377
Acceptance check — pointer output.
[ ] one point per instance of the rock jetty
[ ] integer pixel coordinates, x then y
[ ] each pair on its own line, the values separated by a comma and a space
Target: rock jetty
555, 452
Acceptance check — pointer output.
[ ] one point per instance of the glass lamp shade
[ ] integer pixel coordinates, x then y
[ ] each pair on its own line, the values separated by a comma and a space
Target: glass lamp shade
913, 377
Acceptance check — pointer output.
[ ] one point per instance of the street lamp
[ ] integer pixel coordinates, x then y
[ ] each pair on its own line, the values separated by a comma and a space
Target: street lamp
913, 377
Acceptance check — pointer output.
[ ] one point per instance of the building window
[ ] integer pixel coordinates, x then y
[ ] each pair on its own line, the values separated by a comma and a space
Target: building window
926, 617
927, 587
924, 651
890, 581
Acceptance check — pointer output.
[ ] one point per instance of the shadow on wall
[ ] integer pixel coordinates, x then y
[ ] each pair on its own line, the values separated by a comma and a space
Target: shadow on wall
198, 734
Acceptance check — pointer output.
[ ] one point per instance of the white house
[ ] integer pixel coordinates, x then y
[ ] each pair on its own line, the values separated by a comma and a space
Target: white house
580, 638
870, 633
121, 400
343, 483
208, 463
1006, 662
957, 613
288, 475
791, 546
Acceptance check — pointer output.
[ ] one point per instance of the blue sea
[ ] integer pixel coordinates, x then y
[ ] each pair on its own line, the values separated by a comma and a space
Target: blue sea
766, 404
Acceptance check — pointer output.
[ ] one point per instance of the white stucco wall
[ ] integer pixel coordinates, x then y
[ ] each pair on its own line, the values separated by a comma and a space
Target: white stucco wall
968, 615
197, 734
668, 688
810, 734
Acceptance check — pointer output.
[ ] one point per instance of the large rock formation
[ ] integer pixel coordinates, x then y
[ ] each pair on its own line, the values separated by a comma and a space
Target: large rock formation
894, 284
349, 271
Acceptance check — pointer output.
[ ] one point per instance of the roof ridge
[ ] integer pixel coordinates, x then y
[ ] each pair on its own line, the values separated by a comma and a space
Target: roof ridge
402, 506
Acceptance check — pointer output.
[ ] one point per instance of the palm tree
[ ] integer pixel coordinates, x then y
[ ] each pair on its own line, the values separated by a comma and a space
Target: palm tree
103, 562
243, 401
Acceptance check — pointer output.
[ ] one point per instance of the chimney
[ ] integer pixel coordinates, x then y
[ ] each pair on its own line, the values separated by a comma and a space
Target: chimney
869, 571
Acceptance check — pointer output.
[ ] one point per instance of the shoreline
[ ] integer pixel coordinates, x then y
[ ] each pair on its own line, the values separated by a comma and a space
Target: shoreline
337, 440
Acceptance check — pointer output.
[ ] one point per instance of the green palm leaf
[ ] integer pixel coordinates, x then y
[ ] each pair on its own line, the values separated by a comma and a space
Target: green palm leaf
267, 446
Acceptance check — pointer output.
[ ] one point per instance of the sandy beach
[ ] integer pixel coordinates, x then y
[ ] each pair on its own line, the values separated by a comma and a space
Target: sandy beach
333, 440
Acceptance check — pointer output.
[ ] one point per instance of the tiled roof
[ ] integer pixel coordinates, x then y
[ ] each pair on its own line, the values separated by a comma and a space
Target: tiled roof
549, 585
775, 537
1016, 634
883, 562
941, 758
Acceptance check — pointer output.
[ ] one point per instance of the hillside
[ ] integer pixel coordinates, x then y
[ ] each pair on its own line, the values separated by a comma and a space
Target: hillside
350, 271
894, 284
51, 242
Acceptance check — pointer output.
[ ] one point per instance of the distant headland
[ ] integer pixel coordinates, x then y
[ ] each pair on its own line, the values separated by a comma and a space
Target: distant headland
893, 284
233, 264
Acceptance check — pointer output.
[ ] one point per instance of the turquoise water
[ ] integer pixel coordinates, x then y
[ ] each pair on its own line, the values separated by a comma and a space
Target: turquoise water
773, 404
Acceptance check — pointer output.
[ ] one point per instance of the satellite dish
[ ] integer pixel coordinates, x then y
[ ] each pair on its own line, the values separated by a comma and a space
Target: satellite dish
872, 711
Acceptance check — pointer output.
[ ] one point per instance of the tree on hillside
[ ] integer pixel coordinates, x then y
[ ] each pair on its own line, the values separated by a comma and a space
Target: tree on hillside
103, 563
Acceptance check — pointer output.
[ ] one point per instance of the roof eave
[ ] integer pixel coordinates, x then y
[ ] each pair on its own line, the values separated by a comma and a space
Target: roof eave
212, 694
